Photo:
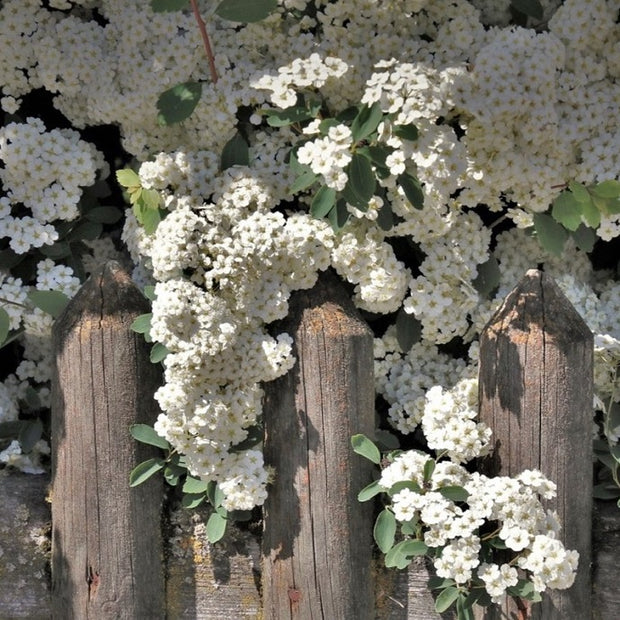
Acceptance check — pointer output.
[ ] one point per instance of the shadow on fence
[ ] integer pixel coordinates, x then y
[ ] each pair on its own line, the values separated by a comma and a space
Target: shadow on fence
111, 558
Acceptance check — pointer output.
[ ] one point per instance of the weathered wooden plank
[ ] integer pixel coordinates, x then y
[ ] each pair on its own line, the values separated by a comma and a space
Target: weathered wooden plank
536, 395
106, 537
317, 536
24, 546
605, 554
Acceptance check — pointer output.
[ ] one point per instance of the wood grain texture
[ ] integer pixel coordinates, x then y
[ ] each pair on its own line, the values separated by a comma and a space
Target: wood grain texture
106, 539
317, 537
536, 394
24, 546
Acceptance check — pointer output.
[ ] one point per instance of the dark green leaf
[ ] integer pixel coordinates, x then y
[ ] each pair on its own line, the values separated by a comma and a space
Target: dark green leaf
360, 186
245, 11
429, 468
525, 589
454, 493
29, 434
412, 188
408, 330
399, 556
323, 201
606, 491
385, 530
86, 230
158, 353
411, 485
551, 235
177, 103
194, 486
52, 302
406, 132
193, 500
162, 6
216, 527
446, 599
584, 238
60, 249
439, 583
146, 434
531, 8
292, 115
104, 215
567, 210
369, 491
144, 471
366, 121
488, 277
5, 325
366, 448
464, 610
326, 124
339, 215
254, 437
236, 152
128, 178
8, 258
385, 218
10, 429
497, 543
303, 181
142, 324
173, 473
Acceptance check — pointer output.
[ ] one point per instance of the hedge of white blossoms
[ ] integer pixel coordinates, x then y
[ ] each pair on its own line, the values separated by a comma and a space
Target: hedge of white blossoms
506, 117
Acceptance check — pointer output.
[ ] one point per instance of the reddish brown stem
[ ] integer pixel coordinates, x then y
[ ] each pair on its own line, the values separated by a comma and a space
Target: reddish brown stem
205, 40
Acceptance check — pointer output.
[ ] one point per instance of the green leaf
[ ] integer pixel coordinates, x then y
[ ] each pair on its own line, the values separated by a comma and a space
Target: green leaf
385, 218
454, 493
406, 132
173, 473
86, 230
531, 8
369, 491
323, 201
158, 353
303, 181
192, 500
236, 152
216, 527
446, 599
366, 448
567, 210
149, 218
177, 103
525, 589
488, 277
408, 330
339, 215
590, 212
128, 178
5, 325
580, 191
146, 434
412, 188
378, 155
151, 198
52, 302
194, 485
361, 183
162, 6
551, 235
439, 583
464, 609
142, 323
606, 491
149, 292
400, 554
292, 115
385, 530
57, 251
366, 121
429, 468
326, 124
144, 471
585, 238
30, 432
606, 189
245, 11
399, 486
104, 215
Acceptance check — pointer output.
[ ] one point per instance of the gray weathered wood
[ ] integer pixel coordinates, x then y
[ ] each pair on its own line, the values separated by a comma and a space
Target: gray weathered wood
317, 536
106, 539
24, 546
536, 395
605, 565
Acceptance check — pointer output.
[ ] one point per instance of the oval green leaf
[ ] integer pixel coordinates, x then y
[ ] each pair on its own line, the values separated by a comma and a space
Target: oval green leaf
245, 11
412, 188
158, 352
406, 132
369, 491
144, 471
146, 434
446, 599
142, 323
5, 325
128, 178
303, 181
52, 302
385, 530
607, 189
104, 215
192, 500
551, 235
323, 201
454, 493
216, 527
361, 184
366, 121
236, 152
194, 485
366, 448
177, 103
339, 215
567, 210
408, 330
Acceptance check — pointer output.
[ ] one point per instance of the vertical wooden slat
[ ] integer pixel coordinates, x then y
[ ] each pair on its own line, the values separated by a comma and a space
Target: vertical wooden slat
536, 395
317, 537
106, 537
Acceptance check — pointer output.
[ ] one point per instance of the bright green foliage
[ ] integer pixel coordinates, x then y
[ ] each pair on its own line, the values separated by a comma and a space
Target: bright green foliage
245, 11
146, 203
177, 103
385, 530
142, 325
158, 353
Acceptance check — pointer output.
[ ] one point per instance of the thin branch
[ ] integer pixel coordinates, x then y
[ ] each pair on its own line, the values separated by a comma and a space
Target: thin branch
205, 40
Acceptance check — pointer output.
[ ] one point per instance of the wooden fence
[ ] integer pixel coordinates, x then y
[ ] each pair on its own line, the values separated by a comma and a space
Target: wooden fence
123, 553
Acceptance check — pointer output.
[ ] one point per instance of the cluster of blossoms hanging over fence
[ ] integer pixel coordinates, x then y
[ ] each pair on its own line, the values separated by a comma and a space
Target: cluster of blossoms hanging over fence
428, 151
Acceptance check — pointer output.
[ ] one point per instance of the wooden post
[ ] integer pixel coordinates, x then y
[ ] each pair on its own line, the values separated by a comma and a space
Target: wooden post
106, 537
536, 395
317, 545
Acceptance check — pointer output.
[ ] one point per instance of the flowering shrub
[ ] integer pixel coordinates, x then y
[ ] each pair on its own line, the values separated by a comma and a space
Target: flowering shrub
429, 152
